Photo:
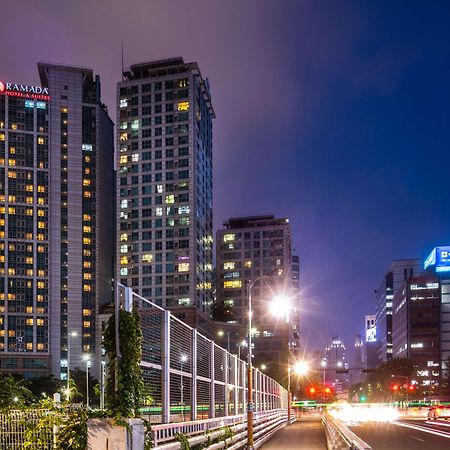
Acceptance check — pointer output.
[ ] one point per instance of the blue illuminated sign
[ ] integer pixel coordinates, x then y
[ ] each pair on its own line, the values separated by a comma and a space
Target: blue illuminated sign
440, 258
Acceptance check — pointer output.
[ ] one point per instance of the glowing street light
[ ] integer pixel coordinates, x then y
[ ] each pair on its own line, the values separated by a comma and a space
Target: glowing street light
301, 367
280, 307
69, 335
87, 358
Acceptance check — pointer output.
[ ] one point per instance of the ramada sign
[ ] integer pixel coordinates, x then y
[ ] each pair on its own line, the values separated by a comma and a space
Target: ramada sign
22, 90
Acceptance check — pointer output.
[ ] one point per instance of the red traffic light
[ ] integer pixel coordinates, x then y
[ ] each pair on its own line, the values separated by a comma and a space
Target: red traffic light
312, 390
327, 390
411, 387
395, 387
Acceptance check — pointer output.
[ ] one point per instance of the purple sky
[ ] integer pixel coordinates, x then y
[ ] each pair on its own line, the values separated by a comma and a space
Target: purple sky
334, 114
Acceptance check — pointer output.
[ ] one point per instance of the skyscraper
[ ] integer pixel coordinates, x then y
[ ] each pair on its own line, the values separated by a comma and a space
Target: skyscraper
164, 186
258, 249
400, 270
57, 230
81, 162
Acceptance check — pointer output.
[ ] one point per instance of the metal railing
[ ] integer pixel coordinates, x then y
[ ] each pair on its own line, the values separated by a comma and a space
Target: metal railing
187, 376
339, 437
20, 426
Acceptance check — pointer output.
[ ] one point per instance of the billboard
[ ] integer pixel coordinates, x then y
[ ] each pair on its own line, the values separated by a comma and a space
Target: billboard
439, 258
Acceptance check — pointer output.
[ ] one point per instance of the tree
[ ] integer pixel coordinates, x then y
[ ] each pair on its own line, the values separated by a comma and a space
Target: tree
13, 391
123, 395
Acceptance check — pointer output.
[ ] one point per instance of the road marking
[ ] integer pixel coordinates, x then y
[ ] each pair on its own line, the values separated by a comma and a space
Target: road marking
438, 423
425, 430
414, 437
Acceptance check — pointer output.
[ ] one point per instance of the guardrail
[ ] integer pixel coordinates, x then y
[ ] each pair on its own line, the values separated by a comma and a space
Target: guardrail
339, 437
207, 431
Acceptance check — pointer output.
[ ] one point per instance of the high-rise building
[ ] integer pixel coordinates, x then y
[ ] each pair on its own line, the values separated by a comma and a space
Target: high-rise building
81, 223
335, 360
397, 273
438, 264
258, 249
57, 232
164, 186
370, 343
24, 230
416, 327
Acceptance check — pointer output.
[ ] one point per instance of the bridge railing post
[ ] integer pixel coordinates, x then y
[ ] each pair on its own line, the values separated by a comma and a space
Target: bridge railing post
194, 376
165, 345
212, 395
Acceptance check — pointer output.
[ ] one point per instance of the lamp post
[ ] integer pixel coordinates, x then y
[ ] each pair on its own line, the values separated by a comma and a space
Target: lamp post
102, 387
222, 333
183, 359
407, 383
323, 363
69, 335
87, 358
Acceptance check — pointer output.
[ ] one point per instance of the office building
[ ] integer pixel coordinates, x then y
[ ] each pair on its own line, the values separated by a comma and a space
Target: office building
416, 328
258, 249
370, 344
164, 187
438, 264
335, 361
57, 233
397, 273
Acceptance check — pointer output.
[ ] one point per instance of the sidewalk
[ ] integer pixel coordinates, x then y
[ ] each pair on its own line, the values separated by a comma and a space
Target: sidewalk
304, 434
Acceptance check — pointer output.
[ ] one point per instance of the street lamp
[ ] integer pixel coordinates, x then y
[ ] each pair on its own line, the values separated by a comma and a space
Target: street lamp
323, 364
221, 333
183, 359
102, 387
69, 335
87, 358
281, 302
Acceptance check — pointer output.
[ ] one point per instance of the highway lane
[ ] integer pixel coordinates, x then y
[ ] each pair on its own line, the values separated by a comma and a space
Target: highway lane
391, 436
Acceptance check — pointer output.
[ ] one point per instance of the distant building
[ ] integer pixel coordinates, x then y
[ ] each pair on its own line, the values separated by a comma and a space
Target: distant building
398, 272
164, 187
356, 373
258, 249
416, 327
438, 263
335, 361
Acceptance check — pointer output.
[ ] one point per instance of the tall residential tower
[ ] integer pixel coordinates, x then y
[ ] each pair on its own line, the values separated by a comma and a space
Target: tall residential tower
164, 186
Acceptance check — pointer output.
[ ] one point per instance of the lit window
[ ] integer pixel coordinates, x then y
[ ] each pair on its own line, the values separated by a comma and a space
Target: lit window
185, 301
147, 257
135, 157
86, 217
124, 260
123, 137
247, 264
123, 125
229, 237
87, 194
86, 264
159, 188
123, 248
183, 267
29, 321
183, 209
232, 284
86, 229
40, 140
87, 276
40, 346
170, 199
86, 240
123, 159
124, 237
39, 322
87, 288
228, 265
123, 102
124, 271
159, 211
86, 147
183, 106
135, 125
87, 312
124, 204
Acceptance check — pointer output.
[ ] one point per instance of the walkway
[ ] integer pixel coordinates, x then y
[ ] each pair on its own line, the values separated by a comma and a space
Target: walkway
304, 434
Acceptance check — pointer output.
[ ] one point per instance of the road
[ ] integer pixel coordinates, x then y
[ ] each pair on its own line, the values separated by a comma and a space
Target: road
410, 434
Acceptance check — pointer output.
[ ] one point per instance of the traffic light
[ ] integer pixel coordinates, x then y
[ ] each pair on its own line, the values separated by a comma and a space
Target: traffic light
411, 387
395, 387
312, 390
327, 390
362, 398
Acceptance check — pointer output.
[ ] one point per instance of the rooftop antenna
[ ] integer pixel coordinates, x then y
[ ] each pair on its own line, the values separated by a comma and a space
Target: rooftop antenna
122, 63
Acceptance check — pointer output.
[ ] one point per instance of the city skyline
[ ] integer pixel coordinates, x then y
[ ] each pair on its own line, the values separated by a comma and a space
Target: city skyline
352, 178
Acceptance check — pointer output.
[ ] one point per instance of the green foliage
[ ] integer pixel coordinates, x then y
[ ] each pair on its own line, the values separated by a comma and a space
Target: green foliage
14, 392
125, 401
72, 433
183, 440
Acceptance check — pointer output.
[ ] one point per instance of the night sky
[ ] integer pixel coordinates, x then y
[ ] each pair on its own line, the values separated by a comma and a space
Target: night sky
334, 114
